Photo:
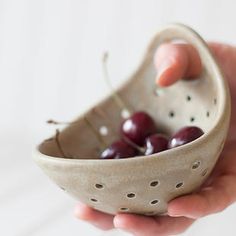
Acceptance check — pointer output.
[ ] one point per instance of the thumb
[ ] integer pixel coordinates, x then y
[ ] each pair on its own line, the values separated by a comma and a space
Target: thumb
175, 62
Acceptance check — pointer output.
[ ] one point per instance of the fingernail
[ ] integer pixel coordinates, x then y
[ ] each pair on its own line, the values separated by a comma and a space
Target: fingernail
174, 214
118, 222
164, 66
79, 205
78, 210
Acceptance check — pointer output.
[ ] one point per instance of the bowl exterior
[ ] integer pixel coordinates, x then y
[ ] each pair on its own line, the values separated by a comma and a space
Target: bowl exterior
142, 185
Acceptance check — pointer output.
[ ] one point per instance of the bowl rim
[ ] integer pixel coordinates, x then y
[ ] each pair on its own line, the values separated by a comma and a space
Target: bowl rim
164, 154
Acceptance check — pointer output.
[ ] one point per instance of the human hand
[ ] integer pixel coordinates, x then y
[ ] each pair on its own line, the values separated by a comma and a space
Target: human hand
173, 62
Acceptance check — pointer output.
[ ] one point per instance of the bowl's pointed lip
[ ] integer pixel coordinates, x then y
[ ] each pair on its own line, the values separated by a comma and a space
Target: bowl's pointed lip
223, 114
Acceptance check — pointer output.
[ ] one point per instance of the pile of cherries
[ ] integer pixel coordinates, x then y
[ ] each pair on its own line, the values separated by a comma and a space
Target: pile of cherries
139, 136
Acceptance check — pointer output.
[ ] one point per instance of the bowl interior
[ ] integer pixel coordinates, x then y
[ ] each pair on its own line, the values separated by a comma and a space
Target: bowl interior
188, 102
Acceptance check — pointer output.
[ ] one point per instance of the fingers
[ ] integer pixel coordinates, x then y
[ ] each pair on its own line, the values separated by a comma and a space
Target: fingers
181, 61
152, 226
208, 201
135, 224
226, 57
98, 219
176, 61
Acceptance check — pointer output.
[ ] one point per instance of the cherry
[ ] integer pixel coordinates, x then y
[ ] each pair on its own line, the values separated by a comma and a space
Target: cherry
119, 149
137, 127
185, 135
155, 143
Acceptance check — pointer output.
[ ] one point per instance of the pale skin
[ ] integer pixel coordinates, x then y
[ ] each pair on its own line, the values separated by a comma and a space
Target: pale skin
173, 62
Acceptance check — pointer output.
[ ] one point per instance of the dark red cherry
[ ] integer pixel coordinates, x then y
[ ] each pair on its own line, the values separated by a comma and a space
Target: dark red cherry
185, 135
137, 127
118, 149
155, 143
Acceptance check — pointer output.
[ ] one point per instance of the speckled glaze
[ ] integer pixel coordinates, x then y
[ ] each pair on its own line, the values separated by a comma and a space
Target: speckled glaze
145, 184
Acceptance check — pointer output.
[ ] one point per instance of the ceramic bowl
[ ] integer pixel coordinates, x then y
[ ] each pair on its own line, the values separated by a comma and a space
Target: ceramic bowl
144, 184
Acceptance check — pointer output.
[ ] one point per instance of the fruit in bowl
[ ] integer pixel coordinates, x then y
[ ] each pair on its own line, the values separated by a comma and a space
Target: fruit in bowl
137, 127
118, 149
139, 137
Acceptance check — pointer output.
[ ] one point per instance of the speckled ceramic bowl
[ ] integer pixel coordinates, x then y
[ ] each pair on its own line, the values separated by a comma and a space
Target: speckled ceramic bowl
144, 184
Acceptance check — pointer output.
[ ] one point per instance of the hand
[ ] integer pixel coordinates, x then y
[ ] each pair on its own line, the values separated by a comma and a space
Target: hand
174, 61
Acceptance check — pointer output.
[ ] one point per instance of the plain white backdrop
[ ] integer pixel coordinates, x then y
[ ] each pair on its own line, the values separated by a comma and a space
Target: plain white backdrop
50, 67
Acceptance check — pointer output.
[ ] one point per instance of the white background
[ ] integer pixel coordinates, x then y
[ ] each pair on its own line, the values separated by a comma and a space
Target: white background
50, 67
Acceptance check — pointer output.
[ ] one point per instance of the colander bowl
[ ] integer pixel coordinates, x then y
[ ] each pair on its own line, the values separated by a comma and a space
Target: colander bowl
144, 184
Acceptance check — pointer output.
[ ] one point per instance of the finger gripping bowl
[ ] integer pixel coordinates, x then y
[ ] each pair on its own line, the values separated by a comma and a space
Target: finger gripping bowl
144, 184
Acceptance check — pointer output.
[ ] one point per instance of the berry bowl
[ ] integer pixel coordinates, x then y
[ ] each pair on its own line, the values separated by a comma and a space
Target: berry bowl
144, 184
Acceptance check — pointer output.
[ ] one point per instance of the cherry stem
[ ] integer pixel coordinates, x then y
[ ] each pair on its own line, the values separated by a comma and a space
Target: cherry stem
59, 144
95, 132
116, 97
101, 113
134, 145
104, 116
53, 122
